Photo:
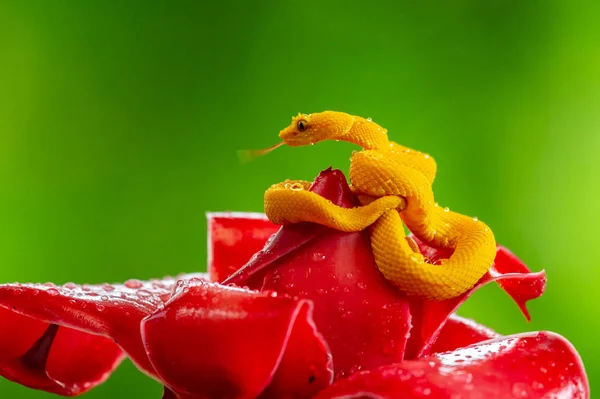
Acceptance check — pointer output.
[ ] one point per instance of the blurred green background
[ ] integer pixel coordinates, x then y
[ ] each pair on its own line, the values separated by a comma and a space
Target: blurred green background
120, 121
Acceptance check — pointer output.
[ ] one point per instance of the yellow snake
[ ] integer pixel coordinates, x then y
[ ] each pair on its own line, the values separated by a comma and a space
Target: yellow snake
394, 185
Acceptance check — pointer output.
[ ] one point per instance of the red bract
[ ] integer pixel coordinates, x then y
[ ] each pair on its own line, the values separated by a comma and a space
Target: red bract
314, 310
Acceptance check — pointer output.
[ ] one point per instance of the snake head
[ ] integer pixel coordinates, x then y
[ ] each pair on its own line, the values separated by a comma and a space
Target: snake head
311, 128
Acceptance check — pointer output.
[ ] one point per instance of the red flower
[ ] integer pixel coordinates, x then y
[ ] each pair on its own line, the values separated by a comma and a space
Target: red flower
314, 319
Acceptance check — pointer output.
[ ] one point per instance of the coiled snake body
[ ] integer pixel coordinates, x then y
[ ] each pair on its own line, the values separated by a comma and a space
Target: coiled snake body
394, 184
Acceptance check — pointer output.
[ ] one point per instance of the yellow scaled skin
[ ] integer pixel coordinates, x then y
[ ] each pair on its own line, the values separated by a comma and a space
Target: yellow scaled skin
394, 184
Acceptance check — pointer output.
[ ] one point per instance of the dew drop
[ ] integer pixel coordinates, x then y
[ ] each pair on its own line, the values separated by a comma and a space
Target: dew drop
463, 377
369, 119
318, 257
420, 391
520, 390
164, 297
475, 218
416, 257
52, 291
133, 284
537, 385
108, 287
104, 298
446, 209
70, 286
143, 294
100, 308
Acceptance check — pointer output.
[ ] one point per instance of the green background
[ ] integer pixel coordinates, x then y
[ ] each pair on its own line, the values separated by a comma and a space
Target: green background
120, 121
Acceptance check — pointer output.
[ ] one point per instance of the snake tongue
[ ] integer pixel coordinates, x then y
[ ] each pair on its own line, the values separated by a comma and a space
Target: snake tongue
246, 156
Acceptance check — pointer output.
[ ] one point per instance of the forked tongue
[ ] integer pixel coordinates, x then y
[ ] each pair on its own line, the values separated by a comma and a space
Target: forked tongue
246, 156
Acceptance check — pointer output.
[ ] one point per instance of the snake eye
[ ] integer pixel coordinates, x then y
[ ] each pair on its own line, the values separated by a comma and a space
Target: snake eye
302, 125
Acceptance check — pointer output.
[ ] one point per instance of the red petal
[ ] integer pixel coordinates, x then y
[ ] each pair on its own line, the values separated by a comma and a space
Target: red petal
233, 238
61, 360
459, 332
363, 318
90, 319
531, 365
528, 286
233, 343
429, 316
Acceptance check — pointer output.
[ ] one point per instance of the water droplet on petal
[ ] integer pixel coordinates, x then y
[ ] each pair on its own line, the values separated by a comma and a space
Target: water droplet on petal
446, 209
462, 376
104, 298
143, 294
133, 284
108, 287
52, 291
100, 308
475, 218
318, 257
164, 297
520, 390
537, 385
369, 119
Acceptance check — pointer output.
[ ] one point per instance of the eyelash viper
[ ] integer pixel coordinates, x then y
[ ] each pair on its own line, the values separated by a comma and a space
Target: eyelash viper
394, 184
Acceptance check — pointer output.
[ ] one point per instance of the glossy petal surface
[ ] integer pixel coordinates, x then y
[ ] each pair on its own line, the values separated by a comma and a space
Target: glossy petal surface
459, 332
233, 238
236, 343
429, 316
531, 365
364, 319
80, 351
59, 360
